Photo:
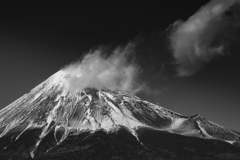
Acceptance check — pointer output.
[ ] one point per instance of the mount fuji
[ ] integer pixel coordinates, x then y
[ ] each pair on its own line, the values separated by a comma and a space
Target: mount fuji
51, 122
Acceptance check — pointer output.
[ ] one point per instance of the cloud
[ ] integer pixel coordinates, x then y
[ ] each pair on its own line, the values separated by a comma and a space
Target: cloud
205, 35
99, 69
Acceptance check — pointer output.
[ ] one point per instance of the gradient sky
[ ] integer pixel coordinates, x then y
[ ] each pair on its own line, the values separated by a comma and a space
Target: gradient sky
37, 39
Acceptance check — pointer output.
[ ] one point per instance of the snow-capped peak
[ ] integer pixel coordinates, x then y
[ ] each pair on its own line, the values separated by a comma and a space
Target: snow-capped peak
52, 108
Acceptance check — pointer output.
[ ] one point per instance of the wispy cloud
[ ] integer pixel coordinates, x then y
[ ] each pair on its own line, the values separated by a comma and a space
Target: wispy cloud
205, 35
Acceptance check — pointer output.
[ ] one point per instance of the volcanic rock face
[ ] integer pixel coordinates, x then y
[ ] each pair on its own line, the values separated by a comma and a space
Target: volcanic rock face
50, 122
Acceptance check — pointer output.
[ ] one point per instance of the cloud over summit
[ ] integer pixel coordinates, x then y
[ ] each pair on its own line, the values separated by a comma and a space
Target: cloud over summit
116, 71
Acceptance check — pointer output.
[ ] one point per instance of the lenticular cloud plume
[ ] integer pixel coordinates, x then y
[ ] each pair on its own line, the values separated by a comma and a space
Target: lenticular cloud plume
116, 71
205, 35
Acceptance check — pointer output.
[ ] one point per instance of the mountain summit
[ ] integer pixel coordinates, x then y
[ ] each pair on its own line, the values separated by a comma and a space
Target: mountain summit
50, 122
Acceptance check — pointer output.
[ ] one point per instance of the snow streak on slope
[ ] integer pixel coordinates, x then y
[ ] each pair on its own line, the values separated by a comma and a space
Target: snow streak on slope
51, 107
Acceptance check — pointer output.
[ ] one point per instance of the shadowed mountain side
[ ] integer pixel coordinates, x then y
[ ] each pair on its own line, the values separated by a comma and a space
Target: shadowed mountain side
120, 145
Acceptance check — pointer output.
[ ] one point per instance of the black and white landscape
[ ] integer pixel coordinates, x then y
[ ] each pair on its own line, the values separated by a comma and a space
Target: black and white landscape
117, 80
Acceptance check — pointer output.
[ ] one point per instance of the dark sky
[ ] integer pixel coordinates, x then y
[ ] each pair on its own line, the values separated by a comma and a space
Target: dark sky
37, 39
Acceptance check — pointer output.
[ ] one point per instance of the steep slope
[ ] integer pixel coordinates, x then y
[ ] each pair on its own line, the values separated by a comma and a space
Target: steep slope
46, 118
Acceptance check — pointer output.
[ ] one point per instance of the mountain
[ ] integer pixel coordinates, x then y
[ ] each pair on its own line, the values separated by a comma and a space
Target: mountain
50, 122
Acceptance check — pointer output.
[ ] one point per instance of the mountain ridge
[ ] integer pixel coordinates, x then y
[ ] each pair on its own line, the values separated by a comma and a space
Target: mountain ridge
51, 109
